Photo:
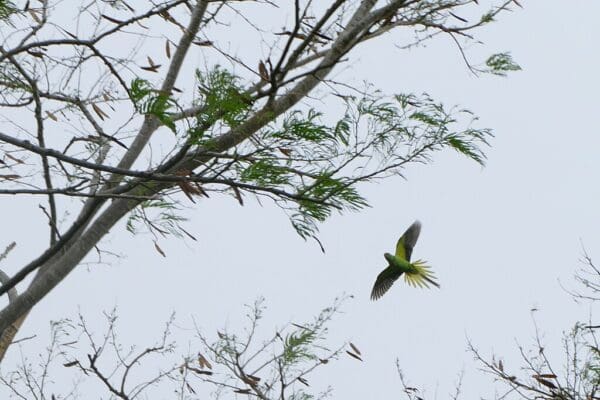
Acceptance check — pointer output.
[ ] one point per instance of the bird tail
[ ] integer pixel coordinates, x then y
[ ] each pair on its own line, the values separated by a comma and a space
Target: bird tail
420, 275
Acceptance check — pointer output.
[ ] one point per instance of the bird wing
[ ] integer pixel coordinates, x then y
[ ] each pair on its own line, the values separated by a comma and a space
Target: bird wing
384, 282
407, 241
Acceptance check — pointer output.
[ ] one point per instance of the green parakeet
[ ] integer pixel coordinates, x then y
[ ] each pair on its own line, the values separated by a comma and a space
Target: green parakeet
415, 273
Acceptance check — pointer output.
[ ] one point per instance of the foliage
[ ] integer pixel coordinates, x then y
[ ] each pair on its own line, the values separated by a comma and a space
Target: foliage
149, 101
501, 63
222, 98
575, 377
278, 367
322, 164
7, 8
157, 216
84, 103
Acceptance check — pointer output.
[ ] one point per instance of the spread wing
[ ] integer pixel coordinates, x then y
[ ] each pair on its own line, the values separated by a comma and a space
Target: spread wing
384, 282
407, 241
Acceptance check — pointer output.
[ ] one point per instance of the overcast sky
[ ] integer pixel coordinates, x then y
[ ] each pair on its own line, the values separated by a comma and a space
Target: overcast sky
501, 239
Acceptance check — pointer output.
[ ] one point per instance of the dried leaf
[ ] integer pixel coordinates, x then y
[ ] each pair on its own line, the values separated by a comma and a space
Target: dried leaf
250, 380
190, 388
51, 116
168, 49
10, 177
262, 70
36, 54
242, 391
323, 361
286, 152
238, 195
128, 6
547, 376
457, 17
203, 43
354, 355
160, 251
200, 190
99, 112
188, 234
297, 35
500, 366
302, 380
151, 68
544, 382
70, 34
203, 362
71, 364
199, 371
15, 159
188, 190
517, 3
111, 19
356, 350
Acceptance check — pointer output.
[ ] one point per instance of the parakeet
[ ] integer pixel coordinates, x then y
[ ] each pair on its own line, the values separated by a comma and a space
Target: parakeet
416, 273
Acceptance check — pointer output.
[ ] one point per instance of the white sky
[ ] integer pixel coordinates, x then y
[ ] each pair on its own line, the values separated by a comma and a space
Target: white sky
499, 238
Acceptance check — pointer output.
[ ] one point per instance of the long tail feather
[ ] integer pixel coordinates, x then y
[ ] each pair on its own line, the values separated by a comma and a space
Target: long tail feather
434, 283
421, 275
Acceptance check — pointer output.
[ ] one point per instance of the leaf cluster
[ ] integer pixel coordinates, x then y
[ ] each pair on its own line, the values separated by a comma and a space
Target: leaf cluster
222, 98
501, 63
149, 101
321, 165
7, 8
157, 216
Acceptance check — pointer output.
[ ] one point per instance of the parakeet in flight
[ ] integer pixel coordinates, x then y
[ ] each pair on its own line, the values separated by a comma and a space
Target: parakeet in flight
415, 273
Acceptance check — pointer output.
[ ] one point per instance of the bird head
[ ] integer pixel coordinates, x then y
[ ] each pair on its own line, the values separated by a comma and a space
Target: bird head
389, 257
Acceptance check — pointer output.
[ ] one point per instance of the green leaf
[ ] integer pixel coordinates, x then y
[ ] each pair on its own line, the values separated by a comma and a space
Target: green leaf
297, 346
149, 101
222, 98
501, 63
266, 173
7, 8
304, 126
156, 215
